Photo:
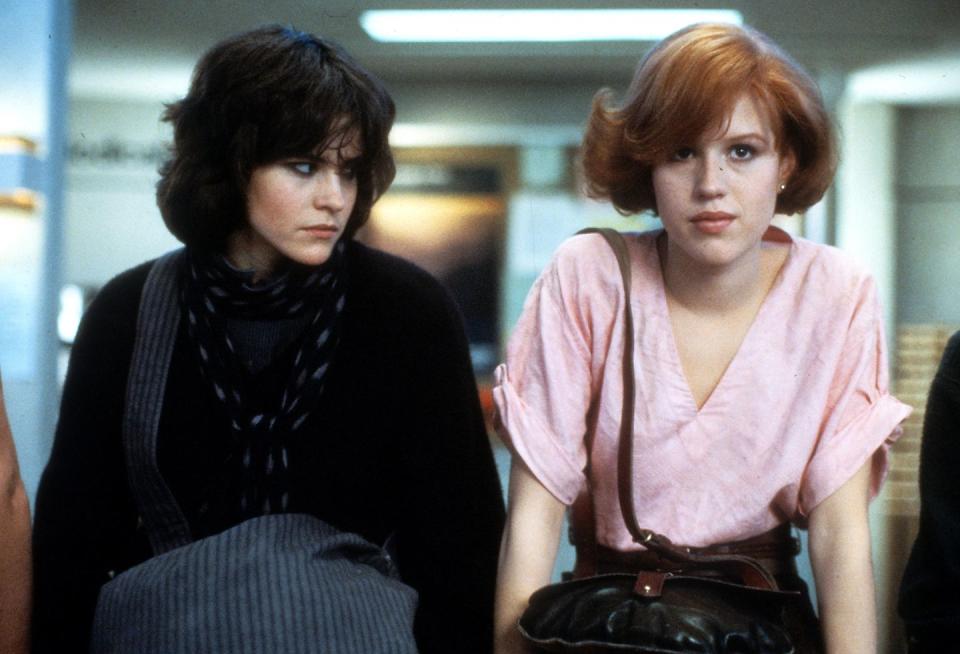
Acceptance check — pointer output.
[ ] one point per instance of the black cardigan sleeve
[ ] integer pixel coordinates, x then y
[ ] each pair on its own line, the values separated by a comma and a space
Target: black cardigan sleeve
85, 524
453, 511
929, 596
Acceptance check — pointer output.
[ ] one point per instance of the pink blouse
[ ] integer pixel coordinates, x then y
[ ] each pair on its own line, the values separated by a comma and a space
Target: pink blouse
802, 406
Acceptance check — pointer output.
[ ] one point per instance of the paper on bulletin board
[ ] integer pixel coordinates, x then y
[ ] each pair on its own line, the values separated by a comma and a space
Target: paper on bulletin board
20, 265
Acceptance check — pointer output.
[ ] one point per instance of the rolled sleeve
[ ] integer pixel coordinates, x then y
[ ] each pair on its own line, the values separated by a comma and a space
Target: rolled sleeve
862, 419
525, 432
542, 393
869, 435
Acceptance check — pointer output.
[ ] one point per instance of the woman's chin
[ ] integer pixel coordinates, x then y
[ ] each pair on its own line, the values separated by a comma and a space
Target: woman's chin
314, 256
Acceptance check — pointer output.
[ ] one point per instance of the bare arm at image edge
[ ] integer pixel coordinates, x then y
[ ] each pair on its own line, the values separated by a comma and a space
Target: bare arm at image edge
840, 554
527, 554
14, 545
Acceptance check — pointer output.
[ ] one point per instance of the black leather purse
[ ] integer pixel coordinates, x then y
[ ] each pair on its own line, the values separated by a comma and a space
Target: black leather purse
681, 600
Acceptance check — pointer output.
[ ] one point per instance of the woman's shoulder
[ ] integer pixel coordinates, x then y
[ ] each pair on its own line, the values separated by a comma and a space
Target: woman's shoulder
950, 361
825, 259
588, 247
389, 283
587, 262
120, 296
829, 272
107, 331
367, 261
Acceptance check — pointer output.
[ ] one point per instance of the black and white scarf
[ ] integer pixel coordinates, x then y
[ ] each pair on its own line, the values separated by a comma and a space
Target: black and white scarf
263, 425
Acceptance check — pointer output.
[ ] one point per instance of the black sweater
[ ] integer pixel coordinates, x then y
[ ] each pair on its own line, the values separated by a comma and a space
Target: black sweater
930, 591
396, 445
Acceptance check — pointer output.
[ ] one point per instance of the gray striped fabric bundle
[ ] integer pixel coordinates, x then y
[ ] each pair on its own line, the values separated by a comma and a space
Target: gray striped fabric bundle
286, 583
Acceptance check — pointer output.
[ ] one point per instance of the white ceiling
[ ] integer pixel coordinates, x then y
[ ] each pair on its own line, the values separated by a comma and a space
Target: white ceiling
145, 48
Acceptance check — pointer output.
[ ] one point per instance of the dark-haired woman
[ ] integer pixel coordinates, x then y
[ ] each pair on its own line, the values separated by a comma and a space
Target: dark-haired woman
760, 363
309, 374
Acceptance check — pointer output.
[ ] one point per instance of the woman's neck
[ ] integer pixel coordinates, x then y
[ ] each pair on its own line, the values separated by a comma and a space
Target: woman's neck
709, 289
247, 251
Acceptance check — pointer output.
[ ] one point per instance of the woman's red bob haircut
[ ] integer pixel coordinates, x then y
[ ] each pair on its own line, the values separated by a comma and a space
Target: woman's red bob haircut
689, 83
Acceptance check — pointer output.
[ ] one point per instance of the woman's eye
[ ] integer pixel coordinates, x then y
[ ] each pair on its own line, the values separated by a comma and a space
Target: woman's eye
348, 172
682, 154
303, 167
741, 151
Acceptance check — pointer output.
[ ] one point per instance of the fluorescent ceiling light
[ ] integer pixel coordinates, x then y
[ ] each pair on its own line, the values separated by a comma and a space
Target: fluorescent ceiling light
933, 81
534, 25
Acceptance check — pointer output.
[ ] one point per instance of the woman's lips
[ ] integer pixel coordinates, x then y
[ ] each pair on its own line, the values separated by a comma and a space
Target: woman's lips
712, 222
322, 231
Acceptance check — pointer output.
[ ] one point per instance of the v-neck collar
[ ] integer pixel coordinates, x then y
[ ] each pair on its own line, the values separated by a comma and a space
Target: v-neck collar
772, 235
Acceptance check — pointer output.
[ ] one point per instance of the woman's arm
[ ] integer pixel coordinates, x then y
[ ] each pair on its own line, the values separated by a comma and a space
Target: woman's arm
840, 554
527, 553
447, 492
14, 545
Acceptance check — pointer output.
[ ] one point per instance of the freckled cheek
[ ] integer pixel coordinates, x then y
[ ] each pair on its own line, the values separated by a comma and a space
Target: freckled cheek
666, 189
670, 197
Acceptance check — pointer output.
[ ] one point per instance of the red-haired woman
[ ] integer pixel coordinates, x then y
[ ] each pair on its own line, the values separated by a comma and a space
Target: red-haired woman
761, 377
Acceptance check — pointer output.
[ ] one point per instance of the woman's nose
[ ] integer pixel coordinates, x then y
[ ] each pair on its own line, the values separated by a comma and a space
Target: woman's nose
711, 176
328, 193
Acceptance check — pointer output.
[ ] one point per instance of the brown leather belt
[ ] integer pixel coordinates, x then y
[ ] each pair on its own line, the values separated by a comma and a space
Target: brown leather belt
775, 550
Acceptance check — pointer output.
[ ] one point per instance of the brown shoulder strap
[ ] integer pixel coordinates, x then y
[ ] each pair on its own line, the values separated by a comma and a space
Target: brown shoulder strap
625, 452
582, 516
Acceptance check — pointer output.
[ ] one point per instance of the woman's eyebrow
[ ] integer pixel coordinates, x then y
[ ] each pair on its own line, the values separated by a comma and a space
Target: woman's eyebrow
744, 136
347, 158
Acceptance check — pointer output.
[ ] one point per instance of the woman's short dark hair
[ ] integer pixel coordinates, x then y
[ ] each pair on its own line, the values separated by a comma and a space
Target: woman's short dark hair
258, 97
689, 83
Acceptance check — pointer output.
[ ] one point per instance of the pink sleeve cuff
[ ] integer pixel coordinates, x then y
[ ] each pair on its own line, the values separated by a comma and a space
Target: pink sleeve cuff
530, 439
873, 431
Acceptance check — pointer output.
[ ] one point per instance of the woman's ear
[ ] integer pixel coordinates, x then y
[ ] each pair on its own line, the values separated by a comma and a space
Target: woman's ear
788, 163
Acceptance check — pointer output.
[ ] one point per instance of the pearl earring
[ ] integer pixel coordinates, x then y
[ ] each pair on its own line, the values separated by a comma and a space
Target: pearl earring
783, 187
